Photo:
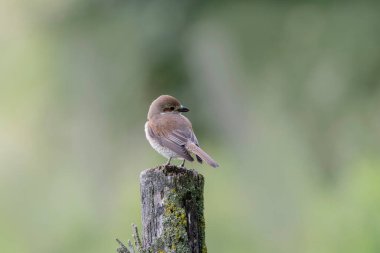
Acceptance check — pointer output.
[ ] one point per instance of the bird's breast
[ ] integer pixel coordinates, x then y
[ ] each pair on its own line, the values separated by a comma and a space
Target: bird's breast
155, 143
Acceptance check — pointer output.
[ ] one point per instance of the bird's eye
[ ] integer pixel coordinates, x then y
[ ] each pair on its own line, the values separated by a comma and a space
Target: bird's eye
172, 108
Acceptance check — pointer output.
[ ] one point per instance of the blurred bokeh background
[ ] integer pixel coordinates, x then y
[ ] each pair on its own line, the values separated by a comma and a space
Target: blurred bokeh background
285, 95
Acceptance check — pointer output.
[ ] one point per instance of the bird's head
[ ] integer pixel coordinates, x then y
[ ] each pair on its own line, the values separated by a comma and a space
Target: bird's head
165, 104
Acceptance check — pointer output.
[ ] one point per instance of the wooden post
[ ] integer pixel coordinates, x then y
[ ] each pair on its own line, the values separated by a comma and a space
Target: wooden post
172, 210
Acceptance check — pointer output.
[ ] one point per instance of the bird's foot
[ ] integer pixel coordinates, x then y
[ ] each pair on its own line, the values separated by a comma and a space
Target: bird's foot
168, 163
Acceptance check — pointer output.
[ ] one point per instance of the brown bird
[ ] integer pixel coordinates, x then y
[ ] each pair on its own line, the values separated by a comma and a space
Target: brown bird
171, 134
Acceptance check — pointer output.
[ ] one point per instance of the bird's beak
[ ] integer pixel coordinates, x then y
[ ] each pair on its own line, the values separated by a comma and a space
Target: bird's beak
183, 109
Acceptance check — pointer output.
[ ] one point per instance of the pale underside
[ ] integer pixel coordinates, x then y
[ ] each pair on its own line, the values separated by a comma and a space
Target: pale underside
164, 151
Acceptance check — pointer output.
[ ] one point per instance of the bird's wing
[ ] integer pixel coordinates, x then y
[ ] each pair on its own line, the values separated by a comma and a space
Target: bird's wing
171, 142
183, 137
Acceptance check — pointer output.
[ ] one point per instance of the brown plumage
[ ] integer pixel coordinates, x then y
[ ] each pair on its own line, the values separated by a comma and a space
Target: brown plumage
171, 134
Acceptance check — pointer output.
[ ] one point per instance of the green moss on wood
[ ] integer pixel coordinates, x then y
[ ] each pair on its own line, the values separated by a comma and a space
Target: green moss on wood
175, 222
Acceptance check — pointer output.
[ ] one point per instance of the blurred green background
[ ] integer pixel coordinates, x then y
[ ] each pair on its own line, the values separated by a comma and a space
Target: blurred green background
285, 95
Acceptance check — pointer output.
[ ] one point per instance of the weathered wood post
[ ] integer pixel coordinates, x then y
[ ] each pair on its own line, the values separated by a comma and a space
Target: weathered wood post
172, 211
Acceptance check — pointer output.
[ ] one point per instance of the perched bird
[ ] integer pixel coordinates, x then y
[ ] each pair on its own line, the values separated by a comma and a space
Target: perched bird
171, 134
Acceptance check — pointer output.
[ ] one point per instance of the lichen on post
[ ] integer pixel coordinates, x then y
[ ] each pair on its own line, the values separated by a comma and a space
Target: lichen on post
172, 210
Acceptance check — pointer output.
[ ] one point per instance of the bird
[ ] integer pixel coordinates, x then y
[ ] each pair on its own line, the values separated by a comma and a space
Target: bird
171, 134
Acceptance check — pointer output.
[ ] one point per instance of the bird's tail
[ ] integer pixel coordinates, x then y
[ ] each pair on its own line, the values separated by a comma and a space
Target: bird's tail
199, 152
